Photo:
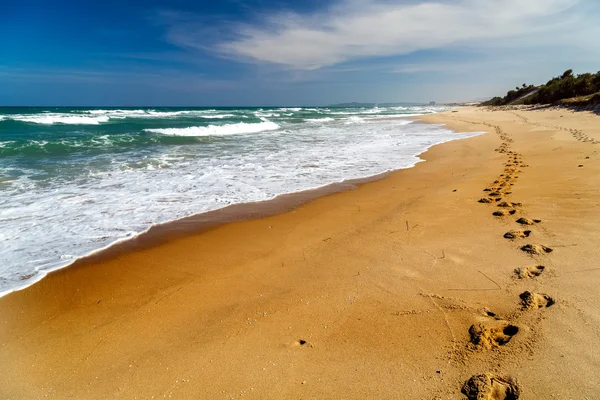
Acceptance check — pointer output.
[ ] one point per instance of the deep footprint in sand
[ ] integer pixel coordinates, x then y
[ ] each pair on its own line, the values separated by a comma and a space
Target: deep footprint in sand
491, 387
485, 200
531, 300
527, 221
492, 334
531, 271
302, 342
504, 213
537, 249
517, 234
507, 204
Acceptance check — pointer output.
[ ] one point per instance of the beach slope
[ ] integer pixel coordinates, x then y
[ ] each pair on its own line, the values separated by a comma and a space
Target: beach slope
404, 287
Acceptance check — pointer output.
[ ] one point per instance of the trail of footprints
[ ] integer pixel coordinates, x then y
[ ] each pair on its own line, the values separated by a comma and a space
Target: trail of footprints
494, 331
578, 134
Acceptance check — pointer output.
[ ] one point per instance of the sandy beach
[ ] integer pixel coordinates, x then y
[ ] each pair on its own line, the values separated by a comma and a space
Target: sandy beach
404, 287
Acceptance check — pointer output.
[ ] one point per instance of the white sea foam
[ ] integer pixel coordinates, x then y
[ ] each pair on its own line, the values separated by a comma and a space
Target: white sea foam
118, 112
218, 130
156, 114
67, 119
392, 116
96, 117
319, 120
354, 120
121, 114
217, 116
358, 112
267, 115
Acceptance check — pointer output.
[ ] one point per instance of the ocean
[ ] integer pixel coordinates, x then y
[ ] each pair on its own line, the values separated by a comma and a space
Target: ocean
76, 180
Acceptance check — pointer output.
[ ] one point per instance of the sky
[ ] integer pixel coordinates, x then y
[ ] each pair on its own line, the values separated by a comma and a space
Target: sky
268, 52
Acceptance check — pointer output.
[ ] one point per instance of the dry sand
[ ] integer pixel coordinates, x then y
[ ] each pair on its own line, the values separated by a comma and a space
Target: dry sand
402, 288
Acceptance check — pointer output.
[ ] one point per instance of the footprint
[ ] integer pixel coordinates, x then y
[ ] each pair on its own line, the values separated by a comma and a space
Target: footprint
485, 200
504, 212
494, 194
531, 271
536, 249
517, 234
489, 313
303, 343
536, 300
508, 204
527, 221
492, 334
491, 387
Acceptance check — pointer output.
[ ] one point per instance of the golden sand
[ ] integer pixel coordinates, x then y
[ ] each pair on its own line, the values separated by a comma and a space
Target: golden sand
404, 288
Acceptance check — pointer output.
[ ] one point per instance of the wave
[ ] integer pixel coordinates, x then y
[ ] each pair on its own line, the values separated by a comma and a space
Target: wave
103, 112
96, 117
319, 120
389, 116
354, 120
51, 119
218, 130
266, 115
121, 114
217, 116
359, 112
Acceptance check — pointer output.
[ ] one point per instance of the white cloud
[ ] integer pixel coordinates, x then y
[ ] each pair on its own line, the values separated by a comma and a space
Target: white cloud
355, 29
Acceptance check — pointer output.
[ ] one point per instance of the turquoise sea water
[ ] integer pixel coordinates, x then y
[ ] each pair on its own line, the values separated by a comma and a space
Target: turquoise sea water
76, 180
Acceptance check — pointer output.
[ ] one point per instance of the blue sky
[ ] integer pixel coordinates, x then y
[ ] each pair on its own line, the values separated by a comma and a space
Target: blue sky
266, 52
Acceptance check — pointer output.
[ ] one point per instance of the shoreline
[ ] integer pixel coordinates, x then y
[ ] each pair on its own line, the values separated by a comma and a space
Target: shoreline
371, 292
199, 222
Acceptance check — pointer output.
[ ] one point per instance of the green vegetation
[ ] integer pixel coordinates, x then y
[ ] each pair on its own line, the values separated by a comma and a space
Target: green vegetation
567, 89
581, 100
512, 96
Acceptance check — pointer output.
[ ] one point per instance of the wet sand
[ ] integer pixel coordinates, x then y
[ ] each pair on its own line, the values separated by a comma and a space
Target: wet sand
404, 287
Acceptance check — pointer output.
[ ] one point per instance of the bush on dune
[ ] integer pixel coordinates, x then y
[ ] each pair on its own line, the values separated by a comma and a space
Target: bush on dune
556, 89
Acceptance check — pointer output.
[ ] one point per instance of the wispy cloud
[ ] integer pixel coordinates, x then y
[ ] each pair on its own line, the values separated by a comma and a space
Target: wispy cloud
173, 79
357, 29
